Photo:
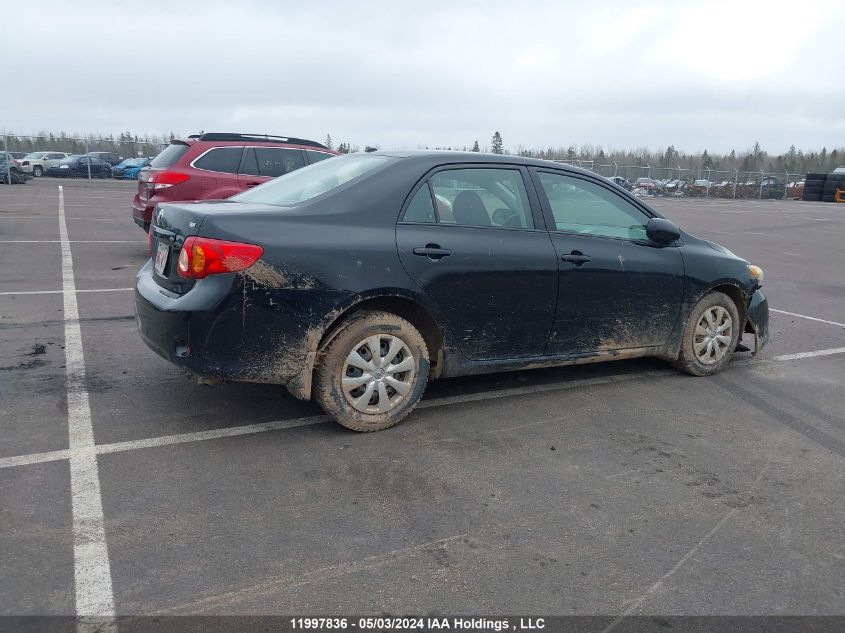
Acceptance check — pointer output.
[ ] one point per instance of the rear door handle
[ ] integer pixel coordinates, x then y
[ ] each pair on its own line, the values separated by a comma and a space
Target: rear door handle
432, 251
576, 258
251, 184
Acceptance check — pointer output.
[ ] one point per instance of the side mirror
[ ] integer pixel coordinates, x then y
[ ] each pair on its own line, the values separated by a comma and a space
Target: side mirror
662, 230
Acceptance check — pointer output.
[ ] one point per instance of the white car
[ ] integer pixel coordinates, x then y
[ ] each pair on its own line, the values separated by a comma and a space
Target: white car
37, 163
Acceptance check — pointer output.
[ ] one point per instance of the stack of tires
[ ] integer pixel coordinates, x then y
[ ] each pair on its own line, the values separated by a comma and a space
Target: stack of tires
831, 184
814, 187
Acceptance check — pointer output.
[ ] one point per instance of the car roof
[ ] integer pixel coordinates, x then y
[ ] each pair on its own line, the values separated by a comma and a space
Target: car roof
436, 157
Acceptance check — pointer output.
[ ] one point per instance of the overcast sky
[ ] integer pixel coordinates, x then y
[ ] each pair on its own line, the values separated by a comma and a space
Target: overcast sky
714, 75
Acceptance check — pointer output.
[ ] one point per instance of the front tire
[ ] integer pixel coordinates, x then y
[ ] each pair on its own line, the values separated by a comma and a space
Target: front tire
710, 336
373, 371
37, 171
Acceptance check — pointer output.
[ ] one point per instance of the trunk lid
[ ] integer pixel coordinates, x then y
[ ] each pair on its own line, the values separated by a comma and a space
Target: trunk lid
171, 225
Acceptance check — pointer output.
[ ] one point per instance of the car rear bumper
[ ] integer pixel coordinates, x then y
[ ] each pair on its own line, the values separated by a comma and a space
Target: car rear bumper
142, 212
758, 319
231, 327
178, 328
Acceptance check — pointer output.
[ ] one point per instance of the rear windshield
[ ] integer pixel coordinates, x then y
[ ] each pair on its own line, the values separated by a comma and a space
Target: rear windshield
169, 155
309, 182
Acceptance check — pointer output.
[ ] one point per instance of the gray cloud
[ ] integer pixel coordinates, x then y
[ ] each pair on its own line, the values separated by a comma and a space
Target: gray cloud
714, 75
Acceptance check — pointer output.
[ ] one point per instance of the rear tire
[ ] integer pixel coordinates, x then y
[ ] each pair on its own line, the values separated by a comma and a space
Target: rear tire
364, 393
710, 336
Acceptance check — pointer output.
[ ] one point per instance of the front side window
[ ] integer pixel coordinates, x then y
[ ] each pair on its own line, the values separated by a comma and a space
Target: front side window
580, 206
309, 182
482, 197
222, 159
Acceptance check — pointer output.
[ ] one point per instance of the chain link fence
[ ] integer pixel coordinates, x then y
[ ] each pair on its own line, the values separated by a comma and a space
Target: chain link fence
644, 180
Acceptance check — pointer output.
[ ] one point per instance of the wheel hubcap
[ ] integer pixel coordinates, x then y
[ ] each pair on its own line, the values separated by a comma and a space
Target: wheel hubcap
713, 335
378, 373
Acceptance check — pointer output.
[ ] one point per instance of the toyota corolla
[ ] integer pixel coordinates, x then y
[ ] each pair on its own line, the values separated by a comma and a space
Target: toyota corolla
357, 280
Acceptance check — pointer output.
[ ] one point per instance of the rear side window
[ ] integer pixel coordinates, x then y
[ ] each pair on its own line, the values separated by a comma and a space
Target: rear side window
222, 159
482, 197
169, 155
314, 157
275, 161
421, 208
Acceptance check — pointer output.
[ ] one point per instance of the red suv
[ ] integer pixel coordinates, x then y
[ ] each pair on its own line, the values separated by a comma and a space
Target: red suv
216, 165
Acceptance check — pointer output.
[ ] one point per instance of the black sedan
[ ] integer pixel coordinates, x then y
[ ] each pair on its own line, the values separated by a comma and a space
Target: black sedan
77, 167
357, 280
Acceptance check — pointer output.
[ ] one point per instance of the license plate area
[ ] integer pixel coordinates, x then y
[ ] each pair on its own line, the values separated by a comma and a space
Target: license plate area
162, 253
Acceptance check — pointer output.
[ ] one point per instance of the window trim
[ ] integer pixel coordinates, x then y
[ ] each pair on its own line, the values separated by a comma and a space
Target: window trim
534, 206
549, 215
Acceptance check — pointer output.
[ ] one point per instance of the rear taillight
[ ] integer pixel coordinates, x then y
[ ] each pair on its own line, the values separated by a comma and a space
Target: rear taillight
201, 257
165, 179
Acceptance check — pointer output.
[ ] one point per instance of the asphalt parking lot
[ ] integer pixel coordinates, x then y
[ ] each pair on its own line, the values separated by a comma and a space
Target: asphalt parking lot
601, 489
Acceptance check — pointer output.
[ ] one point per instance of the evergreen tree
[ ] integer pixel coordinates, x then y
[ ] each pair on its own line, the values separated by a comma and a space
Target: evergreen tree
328, 142
496, 143
475, 147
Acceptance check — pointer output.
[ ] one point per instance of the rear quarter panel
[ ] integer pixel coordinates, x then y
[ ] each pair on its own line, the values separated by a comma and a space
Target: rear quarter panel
320, 260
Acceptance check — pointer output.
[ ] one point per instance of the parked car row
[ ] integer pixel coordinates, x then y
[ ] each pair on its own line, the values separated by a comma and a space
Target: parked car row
38, 163
769, 187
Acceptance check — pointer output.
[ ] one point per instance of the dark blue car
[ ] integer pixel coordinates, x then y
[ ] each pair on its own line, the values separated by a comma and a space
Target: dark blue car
129, 168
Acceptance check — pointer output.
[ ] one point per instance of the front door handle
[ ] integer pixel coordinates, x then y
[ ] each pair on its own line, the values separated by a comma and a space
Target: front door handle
432, 251
575, 257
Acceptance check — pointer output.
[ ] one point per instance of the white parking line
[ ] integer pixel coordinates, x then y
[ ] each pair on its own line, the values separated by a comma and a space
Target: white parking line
278, 425
57, 292
809, 318
92, 570
821, 352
